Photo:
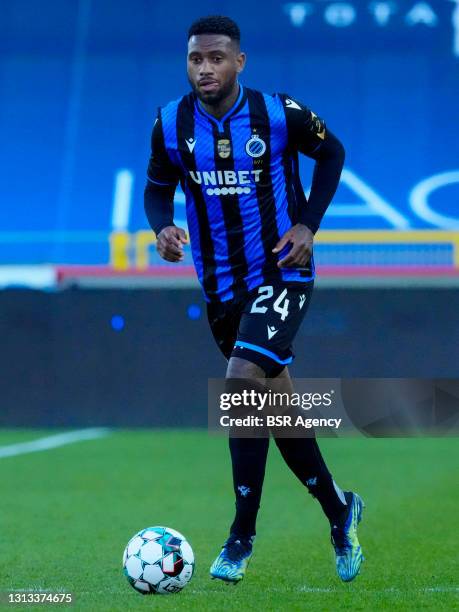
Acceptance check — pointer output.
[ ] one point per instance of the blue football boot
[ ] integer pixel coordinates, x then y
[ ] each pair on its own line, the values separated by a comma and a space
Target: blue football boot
348, 552
231, 564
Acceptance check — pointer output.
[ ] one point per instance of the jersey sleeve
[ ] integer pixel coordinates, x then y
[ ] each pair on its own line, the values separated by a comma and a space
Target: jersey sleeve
161, 171
306, 130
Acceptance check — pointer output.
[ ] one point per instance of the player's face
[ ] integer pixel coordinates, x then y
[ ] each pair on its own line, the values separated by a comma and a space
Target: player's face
214, 61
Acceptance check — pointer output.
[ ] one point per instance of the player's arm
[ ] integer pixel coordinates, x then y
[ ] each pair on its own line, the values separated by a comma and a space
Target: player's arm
308, 134
162, 179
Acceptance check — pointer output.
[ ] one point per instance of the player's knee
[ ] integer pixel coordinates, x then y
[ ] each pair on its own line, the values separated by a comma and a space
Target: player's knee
274, 369
243, 393
242, 368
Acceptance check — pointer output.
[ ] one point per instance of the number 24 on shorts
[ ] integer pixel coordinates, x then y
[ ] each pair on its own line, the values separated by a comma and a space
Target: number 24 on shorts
267, 292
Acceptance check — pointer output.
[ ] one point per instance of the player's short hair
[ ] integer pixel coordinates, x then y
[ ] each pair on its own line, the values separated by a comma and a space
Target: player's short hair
215, 24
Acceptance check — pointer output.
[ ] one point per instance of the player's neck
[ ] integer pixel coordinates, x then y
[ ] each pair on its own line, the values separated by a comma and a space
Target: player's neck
220, 109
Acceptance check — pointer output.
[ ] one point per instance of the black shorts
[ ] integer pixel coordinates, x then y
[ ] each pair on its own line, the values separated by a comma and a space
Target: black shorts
261, 328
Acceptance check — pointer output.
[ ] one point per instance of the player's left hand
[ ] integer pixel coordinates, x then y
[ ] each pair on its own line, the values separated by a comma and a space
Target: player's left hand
299, 255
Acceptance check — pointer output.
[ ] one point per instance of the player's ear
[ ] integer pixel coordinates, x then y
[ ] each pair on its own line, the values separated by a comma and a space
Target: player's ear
241, 59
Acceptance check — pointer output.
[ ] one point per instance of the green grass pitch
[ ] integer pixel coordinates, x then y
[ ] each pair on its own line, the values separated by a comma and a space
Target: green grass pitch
67, 513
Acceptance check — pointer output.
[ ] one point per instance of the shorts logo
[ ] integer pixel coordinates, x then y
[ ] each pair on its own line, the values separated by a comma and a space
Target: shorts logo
255, 146
224, 148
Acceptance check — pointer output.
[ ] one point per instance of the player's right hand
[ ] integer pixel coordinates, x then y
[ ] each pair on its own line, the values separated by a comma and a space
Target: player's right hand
170, 243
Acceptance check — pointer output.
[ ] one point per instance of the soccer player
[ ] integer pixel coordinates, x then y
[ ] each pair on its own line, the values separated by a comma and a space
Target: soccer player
234, 151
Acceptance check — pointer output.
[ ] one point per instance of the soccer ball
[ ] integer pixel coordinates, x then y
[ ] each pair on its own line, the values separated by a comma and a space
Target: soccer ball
158, 560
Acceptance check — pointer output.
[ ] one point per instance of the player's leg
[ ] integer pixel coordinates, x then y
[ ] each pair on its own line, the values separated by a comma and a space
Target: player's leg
303, 457
248, 455
342, 508
248, 459
266, 333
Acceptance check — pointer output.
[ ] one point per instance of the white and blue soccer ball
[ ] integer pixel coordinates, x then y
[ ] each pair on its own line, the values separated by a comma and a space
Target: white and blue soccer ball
158, 560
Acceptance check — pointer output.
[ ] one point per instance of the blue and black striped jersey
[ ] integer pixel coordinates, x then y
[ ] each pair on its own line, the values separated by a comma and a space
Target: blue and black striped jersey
241, 182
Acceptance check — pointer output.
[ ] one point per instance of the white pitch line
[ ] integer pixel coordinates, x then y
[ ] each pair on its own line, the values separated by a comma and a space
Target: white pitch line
388, 591
12, 450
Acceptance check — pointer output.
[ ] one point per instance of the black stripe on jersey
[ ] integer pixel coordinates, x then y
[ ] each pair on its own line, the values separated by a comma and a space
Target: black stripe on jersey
260, 124
232, 217
185, 129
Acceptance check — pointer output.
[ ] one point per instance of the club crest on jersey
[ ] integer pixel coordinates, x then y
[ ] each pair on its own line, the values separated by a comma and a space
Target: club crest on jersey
255, 146
224, 148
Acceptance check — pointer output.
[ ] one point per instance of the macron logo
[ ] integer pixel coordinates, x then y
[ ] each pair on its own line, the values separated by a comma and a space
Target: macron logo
272, 331
243, 490
291, 104
190, 144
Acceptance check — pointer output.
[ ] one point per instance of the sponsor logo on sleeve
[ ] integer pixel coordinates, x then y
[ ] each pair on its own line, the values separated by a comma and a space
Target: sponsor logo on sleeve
318, 126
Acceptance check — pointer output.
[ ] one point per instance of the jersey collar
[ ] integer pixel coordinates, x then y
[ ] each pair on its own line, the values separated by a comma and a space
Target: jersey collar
234, 109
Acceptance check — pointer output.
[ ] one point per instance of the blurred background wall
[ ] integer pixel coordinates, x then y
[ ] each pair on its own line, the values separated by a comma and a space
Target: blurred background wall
92, 319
